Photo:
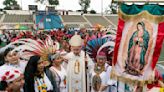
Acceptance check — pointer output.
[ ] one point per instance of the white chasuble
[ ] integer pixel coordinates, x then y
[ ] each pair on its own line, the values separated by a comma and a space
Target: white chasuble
76, 78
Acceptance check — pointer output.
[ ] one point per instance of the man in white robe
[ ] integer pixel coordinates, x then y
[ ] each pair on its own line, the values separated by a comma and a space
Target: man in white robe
76, 69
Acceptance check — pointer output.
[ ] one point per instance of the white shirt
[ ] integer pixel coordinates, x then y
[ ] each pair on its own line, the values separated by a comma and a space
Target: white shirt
47, 82
62, 74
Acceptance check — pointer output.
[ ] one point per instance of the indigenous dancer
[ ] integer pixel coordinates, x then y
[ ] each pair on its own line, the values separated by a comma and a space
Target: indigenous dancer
11, 79
59, 71
38, 77
99, 47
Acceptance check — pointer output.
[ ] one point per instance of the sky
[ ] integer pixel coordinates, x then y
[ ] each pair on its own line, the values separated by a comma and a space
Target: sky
65, 4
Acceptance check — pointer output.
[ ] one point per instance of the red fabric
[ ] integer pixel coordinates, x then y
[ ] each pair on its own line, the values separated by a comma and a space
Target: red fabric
159, 41
155, 84
157, 77
7, 73
14, 39
118, 39
16, 71
11, 76
3, 78
101, 54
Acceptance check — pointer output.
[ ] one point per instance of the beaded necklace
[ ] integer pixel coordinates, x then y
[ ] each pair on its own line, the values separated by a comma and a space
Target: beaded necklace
98, 69
41, 86
96, 81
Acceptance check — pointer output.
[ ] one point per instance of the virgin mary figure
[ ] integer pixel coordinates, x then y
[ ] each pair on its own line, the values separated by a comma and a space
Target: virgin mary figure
138, 45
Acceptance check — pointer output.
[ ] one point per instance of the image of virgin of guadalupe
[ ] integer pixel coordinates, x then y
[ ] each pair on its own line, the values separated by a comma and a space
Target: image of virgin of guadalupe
138, 45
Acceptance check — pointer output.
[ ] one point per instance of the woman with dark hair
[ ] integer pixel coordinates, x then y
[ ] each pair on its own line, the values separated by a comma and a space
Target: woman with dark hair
11, 58
5, 56
38, 78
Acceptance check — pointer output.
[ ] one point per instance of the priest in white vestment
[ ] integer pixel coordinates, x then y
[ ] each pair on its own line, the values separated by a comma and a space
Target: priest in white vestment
76, 69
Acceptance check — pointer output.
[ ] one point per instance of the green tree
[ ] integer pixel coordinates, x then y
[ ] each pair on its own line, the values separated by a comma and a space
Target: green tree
50, 2
85, 4
11, 5
53, 2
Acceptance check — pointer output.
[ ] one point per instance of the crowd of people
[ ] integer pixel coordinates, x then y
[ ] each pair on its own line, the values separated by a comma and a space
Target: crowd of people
61, 61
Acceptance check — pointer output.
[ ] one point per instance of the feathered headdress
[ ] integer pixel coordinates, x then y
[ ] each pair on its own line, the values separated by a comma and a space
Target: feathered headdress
99, 44
9, 73
30, 47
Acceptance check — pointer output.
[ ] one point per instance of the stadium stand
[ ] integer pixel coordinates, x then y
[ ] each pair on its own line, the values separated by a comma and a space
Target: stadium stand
73, 18
97, 20
113, 19
72, 25
74, 21
18, 18
87, 25
19, 12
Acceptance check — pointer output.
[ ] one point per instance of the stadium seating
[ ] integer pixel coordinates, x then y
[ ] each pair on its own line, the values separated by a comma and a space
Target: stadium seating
73, 18
87, 25
97, 20
72, 25
113, 19
18, 18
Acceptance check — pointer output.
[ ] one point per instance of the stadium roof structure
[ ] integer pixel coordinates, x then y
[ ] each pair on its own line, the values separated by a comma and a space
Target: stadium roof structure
89, 20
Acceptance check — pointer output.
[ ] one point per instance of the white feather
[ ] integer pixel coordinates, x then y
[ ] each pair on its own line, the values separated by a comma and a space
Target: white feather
57, 45
109, 35
37, 44
107, 44
111, 30
22, 48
